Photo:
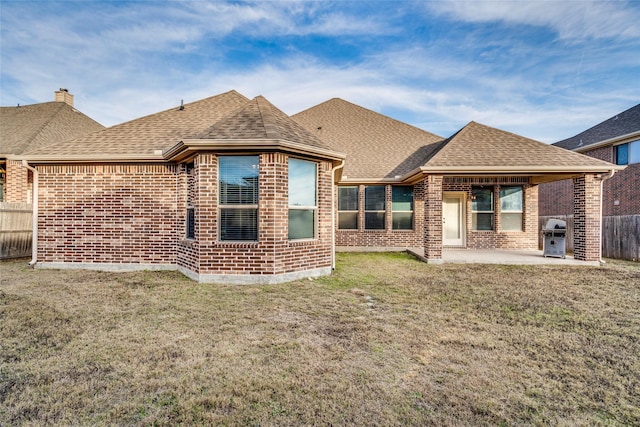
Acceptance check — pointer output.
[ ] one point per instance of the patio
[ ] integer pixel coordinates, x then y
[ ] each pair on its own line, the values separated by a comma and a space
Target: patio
501, 256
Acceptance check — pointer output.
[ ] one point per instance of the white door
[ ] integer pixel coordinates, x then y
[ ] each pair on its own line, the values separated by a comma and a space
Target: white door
453, 229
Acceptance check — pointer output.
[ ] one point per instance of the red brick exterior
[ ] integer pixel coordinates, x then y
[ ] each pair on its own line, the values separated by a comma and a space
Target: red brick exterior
427, 230
498, 238
621, 193
387, 238
433, 218
120, 214
17, 183
273, 253
136, 214
586, 216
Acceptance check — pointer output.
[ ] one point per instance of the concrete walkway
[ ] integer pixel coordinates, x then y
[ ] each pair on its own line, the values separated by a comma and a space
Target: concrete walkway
501, 256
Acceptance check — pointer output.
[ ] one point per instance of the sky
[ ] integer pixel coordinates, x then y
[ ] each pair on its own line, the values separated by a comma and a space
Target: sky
546, 70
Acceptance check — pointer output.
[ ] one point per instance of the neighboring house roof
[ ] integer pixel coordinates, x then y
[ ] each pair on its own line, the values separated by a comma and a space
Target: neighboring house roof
30, 127
621, 125
258, 125
147, 137
377, 147
483, 149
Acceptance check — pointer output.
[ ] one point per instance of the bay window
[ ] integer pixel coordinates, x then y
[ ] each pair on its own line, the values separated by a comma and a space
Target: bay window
238, 197
303, 203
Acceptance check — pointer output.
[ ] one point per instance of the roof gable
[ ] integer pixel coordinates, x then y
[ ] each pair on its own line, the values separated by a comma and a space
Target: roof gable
377, 147
147, 136
622, 124
478, 147
30, 127
259, 119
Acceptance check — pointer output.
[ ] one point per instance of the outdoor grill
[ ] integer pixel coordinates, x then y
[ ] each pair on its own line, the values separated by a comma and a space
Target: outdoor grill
554, 238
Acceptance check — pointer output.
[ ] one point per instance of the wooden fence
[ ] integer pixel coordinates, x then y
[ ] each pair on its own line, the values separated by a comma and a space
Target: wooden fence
15, 230
620, 235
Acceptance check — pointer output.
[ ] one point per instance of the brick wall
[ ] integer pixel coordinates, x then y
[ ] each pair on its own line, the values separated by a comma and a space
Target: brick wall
122, 214
621, 193
273, 253
387, 238
498, 238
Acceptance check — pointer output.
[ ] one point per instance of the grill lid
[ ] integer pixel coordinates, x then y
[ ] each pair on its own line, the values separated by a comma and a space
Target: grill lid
555, 224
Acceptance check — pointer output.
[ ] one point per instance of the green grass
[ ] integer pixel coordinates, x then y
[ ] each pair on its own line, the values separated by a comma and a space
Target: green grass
385, 340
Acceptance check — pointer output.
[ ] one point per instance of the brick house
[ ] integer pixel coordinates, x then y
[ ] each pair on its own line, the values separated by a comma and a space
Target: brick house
28, 127
233, 190
615, 140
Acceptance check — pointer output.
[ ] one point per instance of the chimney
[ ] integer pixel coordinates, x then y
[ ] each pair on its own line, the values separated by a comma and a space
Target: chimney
63, 95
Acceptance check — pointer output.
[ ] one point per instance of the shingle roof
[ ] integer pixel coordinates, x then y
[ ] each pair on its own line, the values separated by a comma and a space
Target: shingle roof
146, 135
621, 124
30, 127
259, 119
376, 146
477, 147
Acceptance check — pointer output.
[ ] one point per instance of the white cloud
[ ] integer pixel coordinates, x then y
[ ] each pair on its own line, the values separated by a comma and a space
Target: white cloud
570, 19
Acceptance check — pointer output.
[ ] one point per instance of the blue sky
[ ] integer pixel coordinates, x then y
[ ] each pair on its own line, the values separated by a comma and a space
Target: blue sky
543, 69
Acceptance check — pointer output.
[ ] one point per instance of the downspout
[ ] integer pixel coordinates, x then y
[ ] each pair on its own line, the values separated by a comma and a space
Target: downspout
333, 214
34, 233
603, 178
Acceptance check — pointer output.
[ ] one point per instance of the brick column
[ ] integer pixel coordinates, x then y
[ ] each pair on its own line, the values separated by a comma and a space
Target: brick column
433, 218
586, 216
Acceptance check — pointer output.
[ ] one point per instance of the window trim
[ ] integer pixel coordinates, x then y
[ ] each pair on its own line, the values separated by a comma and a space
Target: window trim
313, 208
394, 211
474, 224
508, 211
356, 211
222, 207
384, 210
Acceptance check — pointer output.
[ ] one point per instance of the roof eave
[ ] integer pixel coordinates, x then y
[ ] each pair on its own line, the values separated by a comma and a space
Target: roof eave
611, 141
520, 169
187, 147
94, 158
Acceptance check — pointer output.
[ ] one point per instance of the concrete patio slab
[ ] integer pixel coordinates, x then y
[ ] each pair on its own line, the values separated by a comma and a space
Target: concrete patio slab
500, 256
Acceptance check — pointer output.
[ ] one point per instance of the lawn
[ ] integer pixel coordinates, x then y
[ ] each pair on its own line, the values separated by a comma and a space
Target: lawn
387, 340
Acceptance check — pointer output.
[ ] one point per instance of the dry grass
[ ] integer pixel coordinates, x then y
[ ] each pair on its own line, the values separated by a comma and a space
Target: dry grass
386, 340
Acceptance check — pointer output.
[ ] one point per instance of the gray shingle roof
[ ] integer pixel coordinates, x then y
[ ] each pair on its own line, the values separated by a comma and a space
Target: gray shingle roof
259, 119
477, 146
376, 146
31, 127
621, 124
145, 135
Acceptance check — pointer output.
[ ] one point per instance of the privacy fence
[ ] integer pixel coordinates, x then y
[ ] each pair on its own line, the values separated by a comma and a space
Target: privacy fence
15, 230
620, 235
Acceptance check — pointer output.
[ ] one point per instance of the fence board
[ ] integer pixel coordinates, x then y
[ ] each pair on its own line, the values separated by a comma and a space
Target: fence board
620, 235
15, 230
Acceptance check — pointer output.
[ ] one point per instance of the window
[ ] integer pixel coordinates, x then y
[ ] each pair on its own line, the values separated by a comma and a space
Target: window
348, 208
191, 223
482, 208
511, 208
374, 207
628, 154
302, 199
238, 192
402, 207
